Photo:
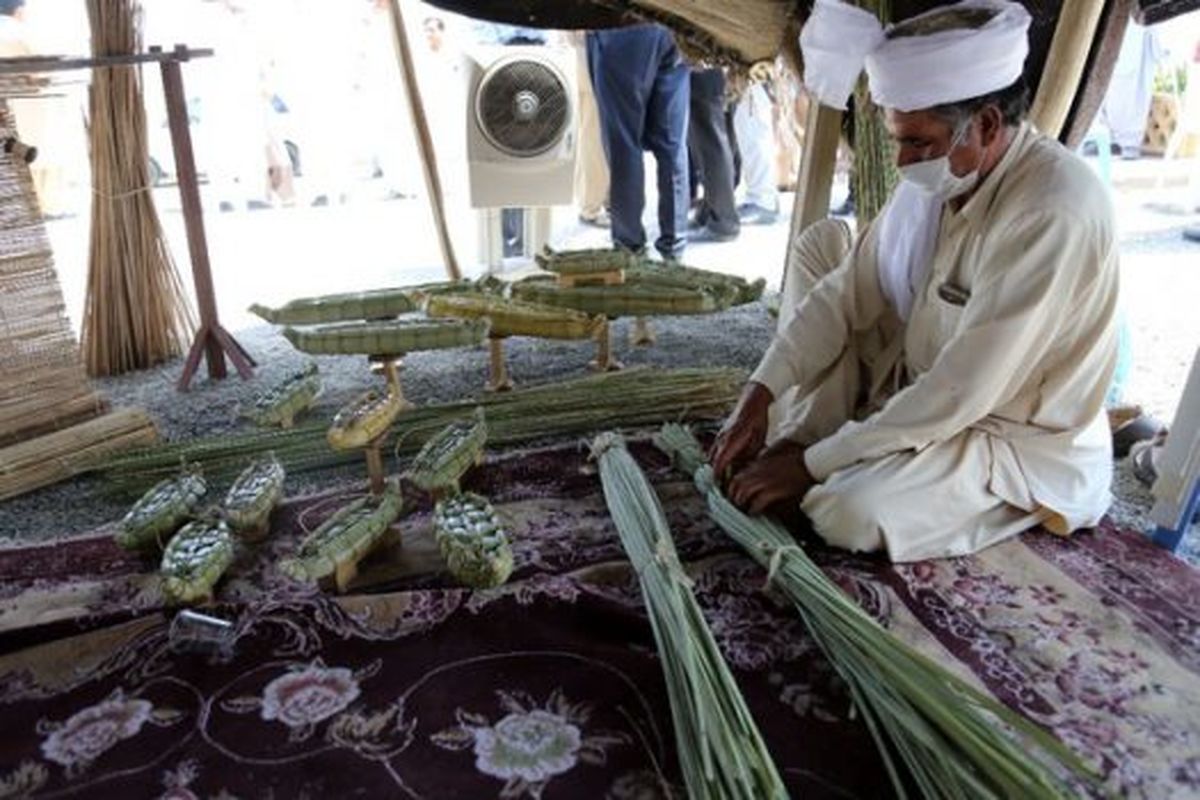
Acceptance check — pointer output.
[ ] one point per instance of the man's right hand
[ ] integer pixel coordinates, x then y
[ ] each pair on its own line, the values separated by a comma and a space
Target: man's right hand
743, 434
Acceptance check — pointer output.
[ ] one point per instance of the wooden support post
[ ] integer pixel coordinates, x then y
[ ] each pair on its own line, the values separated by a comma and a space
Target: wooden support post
375, 465
642, 334
498, 377
1061, 77
390, 367
433, 182
212, 341
822, 131
604, 361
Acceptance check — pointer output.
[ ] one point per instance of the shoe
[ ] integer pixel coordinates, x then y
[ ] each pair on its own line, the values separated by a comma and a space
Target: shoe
754, 214
600, 219
846, 209
708, 235
1192, 234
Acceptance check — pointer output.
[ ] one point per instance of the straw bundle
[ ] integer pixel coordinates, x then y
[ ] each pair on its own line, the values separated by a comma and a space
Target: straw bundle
875, 173
63, 454
42, 383
135, 314
642, 396
721, 752
955, 741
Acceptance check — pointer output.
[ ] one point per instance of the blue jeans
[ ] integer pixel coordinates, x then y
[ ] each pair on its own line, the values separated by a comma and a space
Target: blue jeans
642, 92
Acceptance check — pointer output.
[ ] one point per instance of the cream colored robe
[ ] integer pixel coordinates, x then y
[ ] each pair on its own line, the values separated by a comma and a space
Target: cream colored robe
974, 420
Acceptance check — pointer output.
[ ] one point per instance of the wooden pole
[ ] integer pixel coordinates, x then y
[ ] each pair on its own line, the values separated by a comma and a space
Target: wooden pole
1061, 77
212, 340
433, 183
822, 131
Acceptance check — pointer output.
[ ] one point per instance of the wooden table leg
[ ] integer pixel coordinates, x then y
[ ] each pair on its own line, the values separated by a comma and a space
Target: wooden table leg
375, 466
642, 334
498, 377
604, 361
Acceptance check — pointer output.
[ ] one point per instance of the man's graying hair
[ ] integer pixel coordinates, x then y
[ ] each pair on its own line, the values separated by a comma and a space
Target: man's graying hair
1013, 102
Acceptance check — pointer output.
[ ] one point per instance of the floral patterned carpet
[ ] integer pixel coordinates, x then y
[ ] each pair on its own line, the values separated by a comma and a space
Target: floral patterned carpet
549, 686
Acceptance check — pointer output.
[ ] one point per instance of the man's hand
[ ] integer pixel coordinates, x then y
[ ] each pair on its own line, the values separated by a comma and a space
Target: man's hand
744, 433
778, 476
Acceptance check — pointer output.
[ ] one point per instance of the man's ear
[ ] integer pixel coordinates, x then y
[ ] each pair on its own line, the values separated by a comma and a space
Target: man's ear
991, 123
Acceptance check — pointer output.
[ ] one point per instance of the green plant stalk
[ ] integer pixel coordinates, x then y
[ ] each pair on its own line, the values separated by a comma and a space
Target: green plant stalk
627, 399
949, 734
721, 752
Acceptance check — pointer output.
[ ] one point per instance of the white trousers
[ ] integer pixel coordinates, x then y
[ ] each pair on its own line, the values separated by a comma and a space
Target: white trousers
752, 122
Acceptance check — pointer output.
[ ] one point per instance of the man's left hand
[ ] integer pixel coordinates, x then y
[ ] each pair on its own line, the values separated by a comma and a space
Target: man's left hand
779, 475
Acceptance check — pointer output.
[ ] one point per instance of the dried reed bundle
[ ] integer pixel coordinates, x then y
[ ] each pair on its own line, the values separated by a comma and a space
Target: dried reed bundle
721, 752
135, 314
955, 741
875, 173
63, 454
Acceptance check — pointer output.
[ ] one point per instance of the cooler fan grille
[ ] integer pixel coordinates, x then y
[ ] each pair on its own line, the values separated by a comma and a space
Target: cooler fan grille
522, 107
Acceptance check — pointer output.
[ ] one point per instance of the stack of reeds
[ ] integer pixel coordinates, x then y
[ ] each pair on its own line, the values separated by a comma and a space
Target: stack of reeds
135, 313
515, 318
42, 383
953, 740
63, 454
632, 398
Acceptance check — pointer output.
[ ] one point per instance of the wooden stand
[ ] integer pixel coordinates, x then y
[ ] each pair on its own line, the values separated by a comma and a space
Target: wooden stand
498, 378
642, 334
374, 454
604, 361
389, 366
212, 340
345, 573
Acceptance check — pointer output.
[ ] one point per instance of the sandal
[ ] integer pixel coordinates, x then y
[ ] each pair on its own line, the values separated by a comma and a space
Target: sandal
1140, 428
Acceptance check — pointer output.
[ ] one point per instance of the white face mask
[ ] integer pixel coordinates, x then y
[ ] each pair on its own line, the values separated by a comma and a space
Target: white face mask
934, 176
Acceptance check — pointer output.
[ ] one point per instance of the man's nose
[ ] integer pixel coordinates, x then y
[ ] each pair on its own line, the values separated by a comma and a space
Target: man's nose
908, 155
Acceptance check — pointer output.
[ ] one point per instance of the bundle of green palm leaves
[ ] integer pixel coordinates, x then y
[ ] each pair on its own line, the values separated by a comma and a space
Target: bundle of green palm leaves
634, 397
721, 752
955, 741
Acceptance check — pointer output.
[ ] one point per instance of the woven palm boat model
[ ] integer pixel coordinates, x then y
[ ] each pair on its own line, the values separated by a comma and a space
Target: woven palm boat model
161, 510
387, 338
254, 494
515, 318
347, 536
473, 541
282, 403
195, 559
373, 304
585, 262
364, 419
445, 458
623, 300
662, 273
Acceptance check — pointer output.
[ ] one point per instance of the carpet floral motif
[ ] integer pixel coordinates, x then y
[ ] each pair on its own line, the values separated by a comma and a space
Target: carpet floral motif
532, 743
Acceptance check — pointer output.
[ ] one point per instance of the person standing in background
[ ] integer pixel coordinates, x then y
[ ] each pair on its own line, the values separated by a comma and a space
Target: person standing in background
591, 170
752, 121
1130, 92
641, 86
716, 216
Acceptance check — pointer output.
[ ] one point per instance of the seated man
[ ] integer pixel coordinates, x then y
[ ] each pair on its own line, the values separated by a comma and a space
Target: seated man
937, 385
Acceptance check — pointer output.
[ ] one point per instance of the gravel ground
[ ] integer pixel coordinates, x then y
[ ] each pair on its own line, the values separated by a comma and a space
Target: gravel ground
1164, 325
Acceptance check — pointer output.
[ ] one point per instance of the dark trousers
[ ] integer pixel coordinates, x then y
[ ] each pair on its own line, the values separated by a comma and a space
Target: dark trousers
711, 152
641, 86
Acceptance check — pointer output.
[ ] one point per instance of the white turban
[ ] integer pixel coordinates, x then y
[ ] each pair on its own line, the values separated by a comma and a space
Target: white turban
912, 72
